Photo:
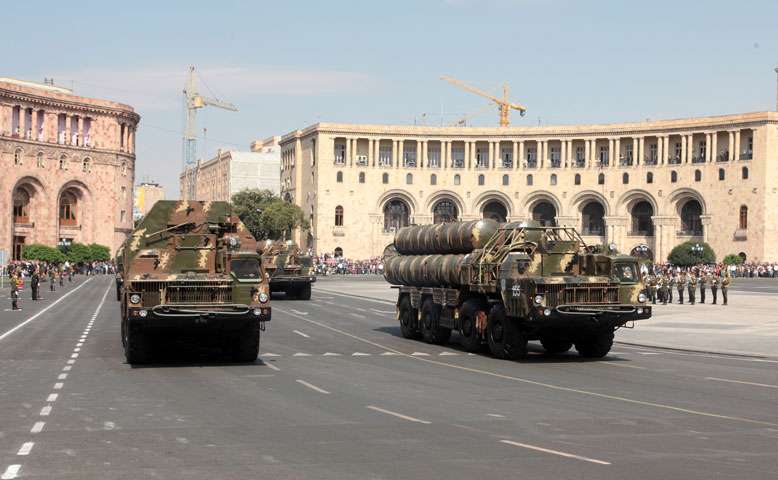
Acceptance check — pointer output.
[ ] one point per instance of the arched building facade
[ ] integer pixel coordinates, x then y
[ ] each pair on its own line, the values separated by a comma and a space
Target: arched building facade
651, 184
67, 165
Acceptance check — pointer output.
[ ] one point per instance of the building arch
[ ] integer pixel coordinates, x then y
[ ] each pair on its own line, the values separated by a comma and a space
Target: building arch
531, 200
79, 225
491, 196
445, 195
580, 200
629, 198
678, 197
397, 193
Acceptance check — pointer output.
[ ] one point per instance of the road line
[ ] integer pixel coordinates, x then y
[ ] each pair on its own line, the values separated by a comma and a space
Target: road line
52, 397
77, 349
270, 355
75, 355
62, 376
26, 448
398, 415
71, 361
356, 297
448, 353
330, 354
271, 366
741, 382
11, 472
67, 368
58, 386
301, 354
357, 315
360, 354
383, 312
298, 312
38, 427
612, 364
312, 386
420, 354
541, 384
11, 331
45, 411
555, 452
304, 335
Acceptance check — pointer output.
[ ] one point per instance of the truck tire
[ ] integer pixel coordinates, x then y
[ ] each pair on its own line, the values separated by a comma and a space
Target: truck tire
556, 344
304, 292
136, 347
431, 330
290, 294
596, 344
471, 339
407, 316
504, 338
246, 345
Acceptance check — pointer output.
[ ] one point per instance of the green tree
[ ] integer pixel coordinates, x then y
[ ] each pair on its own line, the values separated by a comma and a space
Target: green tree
99, 252
42, 253
733, 259
79, 253
266, 215
684, 256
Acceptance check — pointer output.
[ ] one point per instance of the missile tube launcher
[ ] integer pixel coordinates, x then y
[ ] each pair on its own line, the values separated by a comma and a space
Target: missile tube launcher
502, 285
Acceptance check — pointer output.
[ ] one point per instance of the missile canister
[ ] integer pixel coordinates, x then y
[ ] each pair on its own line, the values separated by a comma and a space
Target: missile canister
423, 270
445, 238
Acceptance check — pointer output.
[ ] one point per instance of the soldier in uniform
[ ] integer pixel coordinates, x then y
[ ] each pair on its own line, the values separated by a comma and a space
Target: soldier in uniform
35, 283
15, 286
692, 287
703, 281
61, 275
725, 286
52, 277
714, 287
680, 284
650, 281
670, 286
663, 289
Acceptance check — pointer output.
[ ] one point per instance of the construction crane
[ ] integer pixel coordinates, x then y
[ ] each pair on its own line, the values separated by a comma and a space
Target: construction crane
503, 104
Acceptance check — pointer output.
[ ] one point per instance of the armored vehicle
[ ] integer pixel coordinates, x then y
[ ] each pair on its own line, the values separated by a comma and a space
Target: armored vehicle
191, 270
288, 270
502, 285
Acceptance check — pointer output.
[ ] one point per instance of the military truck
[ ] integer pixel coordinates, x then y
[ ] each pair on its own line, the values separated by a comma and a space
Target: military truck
289, 271
191, 269
502, 285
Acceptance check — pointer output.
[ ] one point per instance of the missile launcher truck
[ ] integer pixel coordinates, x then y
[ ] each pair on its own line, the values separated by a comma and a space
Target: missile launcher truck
502, 285
191, 270
288, 270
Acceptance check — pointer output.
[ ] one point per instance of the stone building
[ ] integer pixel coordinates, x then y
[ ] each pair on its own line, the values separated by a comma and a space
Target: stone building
146, 195
68, 166
645, 186
231, 171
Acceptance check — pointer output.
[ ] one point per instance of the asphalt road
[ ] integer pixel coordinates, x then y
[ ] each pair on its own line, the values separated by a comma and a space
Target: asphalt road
338, 394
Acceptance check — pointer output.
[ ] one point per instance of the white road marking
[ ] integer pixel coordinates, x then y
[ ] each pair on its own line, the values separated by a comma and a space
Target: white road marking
358, 315
360, 354
77, 349
45, 411
495, 415
304, 335
387, 354
301, 354
38, 427
298, 312
398, 415
312, 387
75, 355
385, 312
58, 386
26, 448
67, 368
741, 382
71, 361
420, 354
80, 344
270, 355
616, 364
331, 354
62, 376
555, 452
442, 354
11, 472
11, 331
52, 397
109, 425
272, 367
649, 353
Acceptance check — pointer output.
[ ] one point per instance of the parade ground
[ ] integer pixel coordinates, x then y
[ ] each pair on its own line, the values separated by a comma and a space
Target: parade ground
337, 393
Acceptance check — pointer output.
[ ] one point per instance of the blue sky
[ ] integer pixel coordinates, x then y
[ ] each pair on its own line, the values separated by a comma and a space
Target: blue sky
289, 64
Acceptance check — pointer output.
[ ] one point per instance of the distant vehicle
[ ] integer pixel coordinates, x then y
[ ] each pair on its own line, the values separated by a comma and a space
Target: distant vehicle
502, 285
289, 271
191, 269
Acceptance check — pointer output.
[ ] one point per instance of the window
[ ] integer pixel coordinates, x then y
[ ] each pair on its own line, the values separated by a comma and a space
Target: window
593, 219
625, 178
40, 161
444, 211
601, 179
743, 217
642, 224
122, 214
697, 175
86, 166
545, 213
396, 215
553, 179
481, 179
245, 268
124, 168
721, 174
21, 206
529, 179
18, 156
577, 179
505, 180
340, 154
673, 176
385, 178
67, 209
338, 216
339, 177
496, 211
691, 223
433, 179
744, 173
650, 177
338, 252
361, 177
409, 179
63, 163
456, 179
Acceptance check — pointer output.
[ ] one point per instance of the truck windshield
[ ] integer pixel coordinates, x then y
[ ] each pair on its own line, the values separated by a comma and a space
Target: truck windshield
245, 268
625, 272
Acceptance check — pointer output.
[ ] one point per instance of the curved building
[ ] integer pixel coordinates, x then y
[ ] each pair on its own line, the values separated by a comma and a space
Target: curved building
645, 186
68, 166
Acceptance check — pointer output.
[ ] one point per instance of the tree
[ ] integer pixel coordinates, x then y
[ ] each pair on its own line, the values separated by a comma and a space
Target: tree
100, 253
733, 259
79, 253
43, 253
266, 215
684, 256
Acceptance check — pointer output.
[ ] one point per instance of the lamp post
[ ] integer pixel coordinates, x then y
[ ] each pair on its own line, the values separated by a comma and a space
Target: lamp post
697, 250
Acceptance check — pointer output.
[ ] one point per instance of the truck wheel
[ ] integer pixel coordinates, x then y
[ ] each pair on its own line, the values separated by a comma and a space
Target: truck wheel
304, 292
407, 317
596, 344
136, 348
504, 338
471, 339
556, 344
247, 345
431, 330
290, 294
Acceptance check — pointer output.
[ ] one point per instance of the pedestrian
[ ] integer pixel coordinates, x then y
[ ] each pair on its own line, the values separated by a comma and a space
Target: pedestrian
670, 286
52, 278
714, 287
680, 283
16, 285
724, 288
692, 287
703, 285
61, 275
35, 281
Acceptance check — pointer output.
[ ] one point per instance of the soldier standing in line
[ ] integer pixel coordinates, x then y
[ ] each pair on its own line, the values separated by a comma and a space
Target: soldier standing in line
714, 287
680, 284
61, 275
15, 286
670, 286
692, 287
663, 289
35, 283
724, 287
52, 277
703, 285
654, 287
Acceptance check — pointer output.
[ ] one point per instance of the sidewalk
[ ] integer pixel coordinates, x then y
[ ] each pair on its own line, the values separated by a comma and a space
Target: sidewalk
747, 326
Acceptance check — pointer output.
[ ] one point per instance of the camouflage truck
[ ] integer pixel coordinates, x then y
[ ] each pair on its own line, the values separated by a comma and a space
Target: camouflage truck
191, 270
502, 285
288, 270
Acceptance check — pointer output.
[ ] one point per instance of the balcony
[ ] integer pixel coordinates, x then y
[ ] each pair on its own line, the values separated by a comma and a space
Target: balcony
674, 160
723, 156
699, 158
531, 163
339, 160
362, 160
626, 162
603, 163
555, 163
458, 163
507, 164
482, 165
692, 232
747, 155
641, 233
653, 160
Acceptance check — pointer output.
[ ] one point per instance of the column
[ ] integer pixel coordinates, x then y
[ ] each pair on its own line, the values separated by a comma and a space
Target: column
658, 247
497, 158
67, 129
737, 144
634, 150
641, 152
617, 153
714, 146
683, 148
542, 158
347, 153
570, 154
660, 148
449, 157
515, 153
400, 151
731, 145
666, 149
707, 147
520, 158
562, 153
79, 134
472, 165
690, 146
421, 146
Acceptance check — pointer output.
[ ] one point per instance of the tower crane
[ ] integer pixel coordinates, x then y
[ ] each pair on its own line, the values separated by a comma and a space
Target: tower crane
503, 104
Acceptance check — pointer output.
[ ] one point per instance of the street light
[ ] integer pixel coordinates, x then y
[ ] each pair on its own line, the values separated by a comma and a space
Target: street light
697, 250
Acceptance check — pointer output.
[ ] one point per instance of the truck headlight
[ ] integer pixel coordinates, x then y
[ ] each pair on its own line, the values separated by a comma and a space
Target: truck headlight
143, 313
642, 297
538, 299
263, 298
257, 312
547, 312
134, 298
640, 310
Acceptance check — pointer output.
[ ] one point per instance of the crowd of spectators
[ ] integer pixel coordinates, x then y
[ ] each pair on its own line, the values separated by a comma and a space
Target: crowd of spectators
329, 264
25, 268
745, 270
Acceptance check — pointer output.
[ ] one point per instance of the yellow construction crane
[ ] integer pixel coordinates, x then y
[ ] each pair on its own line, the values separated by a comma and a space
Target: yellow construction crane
503, 104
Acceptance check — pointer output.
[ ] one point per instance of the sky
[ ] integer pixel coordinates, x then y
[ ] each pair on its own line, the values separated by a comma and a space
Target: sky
287, 65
